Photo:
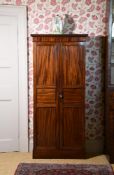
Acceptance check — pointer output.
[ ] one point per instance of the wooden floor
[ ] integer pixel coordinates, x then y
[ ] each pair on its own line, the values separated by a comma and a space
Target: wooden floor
9, 161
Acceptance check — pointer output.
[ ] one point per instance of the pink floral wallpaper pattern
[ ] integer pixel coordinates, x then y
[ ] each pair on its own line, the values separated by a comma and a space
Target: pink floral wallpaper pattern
94, 89
89, 16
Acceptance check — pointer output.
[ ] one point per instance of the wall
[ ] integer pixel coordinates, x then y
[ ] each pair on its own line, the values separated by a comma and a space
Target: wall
89, 16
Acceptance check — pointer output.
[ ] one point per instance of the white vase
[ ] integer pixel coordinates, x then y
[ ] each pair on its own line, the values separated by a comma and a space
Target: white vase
57, 25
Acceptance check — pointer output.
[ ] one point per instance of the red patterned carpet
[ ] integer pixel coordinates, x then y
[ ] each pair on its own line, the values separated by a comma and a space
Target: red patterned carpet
63, 169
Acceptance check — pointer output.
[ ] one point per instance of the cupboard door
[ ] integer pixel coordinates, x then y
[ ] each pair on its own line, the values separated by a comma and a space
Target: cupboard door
72, 102
45, 97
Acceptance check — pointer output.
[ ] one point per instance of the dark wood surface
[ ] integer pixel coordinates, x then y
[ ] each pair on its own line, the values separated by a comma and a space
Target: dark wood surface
109, 95
59, 96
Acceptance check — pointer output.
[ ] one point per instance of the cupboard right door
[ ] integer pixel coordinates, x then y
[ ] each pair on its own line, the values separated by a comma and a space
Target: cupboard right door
72, 99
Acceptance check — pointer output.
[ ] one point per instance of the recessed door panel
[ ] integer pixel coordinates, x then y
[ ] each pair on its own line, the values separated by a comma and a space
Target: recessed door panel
72, 137
73, 96
73, 65
46, 125
46, 70
46, 97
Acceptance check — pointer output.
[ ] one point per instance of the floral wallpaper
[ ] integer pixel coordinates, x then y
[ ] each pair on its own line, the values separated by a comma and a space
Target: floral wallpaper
94, 88
85, 16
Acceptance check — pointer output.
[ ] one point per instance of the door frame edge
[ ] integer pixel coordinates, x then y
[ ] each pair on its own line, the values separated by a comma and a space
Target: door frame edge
23, 80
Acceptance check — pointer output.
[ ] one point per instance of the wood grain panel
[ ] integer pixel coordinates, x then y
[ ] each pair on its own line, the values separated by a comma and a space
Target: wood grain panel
73, 96
111, 105
73, 122
46, 97
111, 95
73, 66
112, 124
46, 70
111, 100
46, 128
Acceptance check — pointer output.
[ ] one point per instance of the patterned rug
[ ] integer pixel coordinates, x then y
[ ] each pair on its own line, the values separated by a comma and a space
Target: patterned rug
63, 169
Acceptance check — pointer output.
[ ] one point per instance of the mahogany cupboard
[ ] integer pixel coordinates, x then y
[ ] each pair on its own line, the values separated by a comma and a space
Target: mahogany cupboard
59, 96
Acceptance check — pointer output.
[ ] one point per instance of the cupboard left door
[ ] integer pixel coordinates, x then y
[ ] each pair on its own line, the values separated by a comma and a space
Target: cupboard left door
46, 113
